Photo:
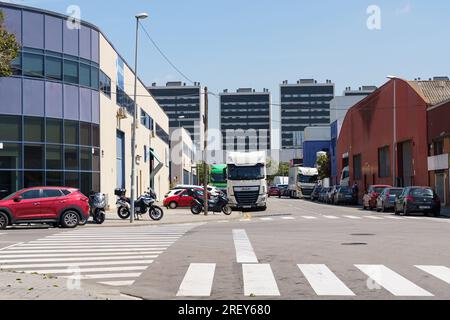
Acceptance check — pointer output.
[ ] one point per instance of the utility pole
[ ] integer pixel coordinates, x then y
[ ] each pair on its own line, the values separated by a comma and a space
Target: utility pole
205, 165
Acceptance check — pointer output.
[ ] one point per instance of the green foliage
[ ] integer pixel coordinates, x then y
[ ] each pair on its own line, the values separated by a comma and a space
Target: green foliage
324, 166
9, 49
283, 171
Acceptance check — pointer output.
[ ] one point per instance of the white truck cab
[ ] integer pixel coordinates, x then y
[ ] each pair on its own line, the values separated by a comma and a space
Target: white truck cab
246, 183
302, 181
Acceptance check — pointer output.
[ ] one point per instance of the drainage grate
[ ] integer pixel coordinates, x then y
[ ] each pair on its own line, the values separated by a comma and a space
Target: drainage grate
354, 244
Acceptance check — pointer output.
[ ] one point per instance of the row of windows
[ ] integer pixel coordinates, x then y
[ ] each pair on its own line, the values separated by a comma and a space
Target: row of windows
306, 95
53, 66
49, 130
124, 100
105, 84
146, 120
48, 157
194, 97
244, 103
174, 105
300, 103
305, 110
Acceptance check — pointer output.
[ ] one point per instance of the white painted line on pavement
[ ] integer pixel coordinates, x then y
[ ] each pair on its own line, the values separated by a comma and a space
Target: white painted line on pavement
118, 283
97, 242
245, 220
244, 249
109, 254
309, 217
223, 221
324, 281
266, 219
104, 276
75, 264
82, 250
393, 217
352, 217
76, 271
392, 281
198, 280
288, 218
373, 218
157, 245
13, 245
440, 272
78, 259
331, 217
259, 280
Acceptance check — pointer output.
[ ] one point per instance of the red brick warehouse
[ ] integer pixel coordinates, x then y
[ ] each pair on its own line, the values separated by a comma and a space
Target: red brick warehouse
367, 136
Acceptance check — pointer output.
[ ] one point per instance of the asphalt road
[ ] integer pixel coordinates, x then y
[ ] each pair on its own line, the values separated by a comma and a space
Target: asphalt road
296, 250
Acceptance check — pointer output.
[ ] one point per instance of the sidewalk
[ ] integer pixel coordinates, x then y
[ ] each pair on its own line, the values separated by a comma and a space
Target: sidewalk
171, 216
445, 212
22, 286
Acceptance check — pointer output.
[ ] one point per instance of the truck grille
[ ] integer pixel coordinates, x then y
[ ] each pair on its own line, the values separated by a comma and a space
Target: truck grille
246, 198
307, 192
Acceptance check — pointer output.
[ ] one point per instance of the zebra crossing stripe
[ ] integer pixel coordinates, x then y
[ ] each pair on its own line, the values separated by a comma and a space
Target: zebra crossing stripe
309, 217
440, 272
373, 217
331, 217
118, 283
324, 281
108, 254
157, 245
198, 280
393, 217
266, 219
288, 218
352, 217
104, 276
259, 280
76, 271
392, 281
75, 264
78, 259
244, 249
84, 250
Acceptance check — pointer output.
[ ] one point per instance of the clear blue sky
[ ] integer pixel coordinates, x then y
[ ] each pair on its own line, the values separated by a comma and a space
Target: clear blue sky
260, 43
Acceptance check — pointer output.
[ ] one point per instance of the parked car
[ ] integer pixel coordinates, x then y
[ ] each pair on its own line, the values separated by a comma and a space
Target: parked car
344, 195
57, 206
373, 193
183, 199
323, 194
212, 190
273, 191
173, 192
331, 197
386, 200
418, 199
283, 191
316, 192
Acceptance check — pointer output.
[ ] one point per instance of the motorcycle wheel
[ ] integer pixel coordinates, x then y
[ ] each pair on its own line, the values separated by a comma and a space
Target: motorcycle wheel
196, 209
123, 213
156, 213
227, 210
100, 217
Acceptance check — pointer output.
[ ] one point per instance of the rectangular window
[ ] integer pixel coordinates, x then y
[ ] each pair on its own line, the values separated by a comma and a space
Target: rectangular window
71, 71
94, 78
54, 131
96, 160
383, 162
95, 135
10, 156
33, 129
33, 65
71, 158
33, 179
33, 156
10, 181
86, 159
54, 157
10, 128
357, 170
85, 75
105, 84
85, 134
70, 132
55, 178
86, 182
72, 180
53, 68
16, 66
438, 147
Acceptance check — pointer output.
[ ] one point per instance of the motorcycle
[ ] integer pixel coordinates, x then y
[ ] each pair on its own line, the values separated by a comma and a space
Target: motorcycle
97, 204
220, 204
145, 203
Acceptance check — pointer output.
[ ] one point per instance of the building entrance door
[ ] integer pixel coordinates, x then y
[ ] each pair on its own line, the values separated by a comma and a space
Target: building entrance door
440, 187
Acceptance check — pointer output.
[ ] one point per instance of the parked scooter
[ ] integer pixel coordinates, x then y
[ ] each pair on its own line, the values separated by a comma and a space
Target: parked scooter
145, 203
220, 204
97, 204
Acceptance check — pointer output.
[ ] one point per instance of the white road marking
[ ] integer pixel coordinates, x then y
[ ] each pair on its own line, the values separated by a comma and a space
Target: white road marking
324, 281
440, 272
331, 217
259, 280
110, 255
78, 259
373, 218
118, 283
392, 281
266, 219
244, 249
76, 264
245, 220
86, 270
309, 217
288, 218
198, 280
352, 217
82, 250
156, 245
104, 276
393, 217
97, 242
223, 221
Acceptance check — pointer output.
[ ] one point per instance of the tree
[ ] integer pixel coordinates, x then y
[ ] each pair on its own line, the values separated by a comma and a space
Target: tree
9, 49
283, 171
324, 166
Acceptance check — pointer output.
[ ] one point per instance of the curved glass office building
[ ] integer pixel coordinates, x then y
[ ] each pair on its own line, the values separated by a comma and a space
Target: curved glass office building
50, 108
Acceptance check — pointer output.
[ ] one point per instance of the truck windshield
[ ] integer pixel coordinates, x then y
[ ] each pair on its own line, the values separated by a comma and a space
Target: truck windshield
218, 177
307, 179
246, 172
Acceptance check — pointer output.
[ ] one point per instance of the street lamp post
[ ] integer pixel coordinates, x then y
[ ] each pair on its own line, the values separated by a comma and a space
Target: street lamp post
140, 16
394, 129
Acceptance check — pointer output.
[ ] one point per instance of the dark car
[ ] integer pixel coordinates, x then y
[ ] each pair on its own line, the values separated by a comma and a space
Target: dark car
283, 190
344, 195
331, 196
323, 194
418, 199
386, 200
44, 205
373, 192
316, 192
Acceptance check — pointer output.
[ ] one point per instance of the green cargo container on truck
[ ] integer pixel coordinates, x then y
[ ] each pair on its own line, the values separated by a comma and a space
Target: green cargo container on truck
218, 176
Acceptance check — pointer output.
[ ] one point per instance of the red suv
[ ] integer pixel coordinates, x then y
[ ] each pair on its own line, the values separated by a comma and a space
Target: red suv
57, 206
373, 192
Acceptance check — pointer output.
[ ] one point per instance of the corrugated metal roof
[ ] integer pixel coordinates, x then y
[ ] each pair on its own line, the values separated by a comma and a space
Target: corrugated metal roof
433, 92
